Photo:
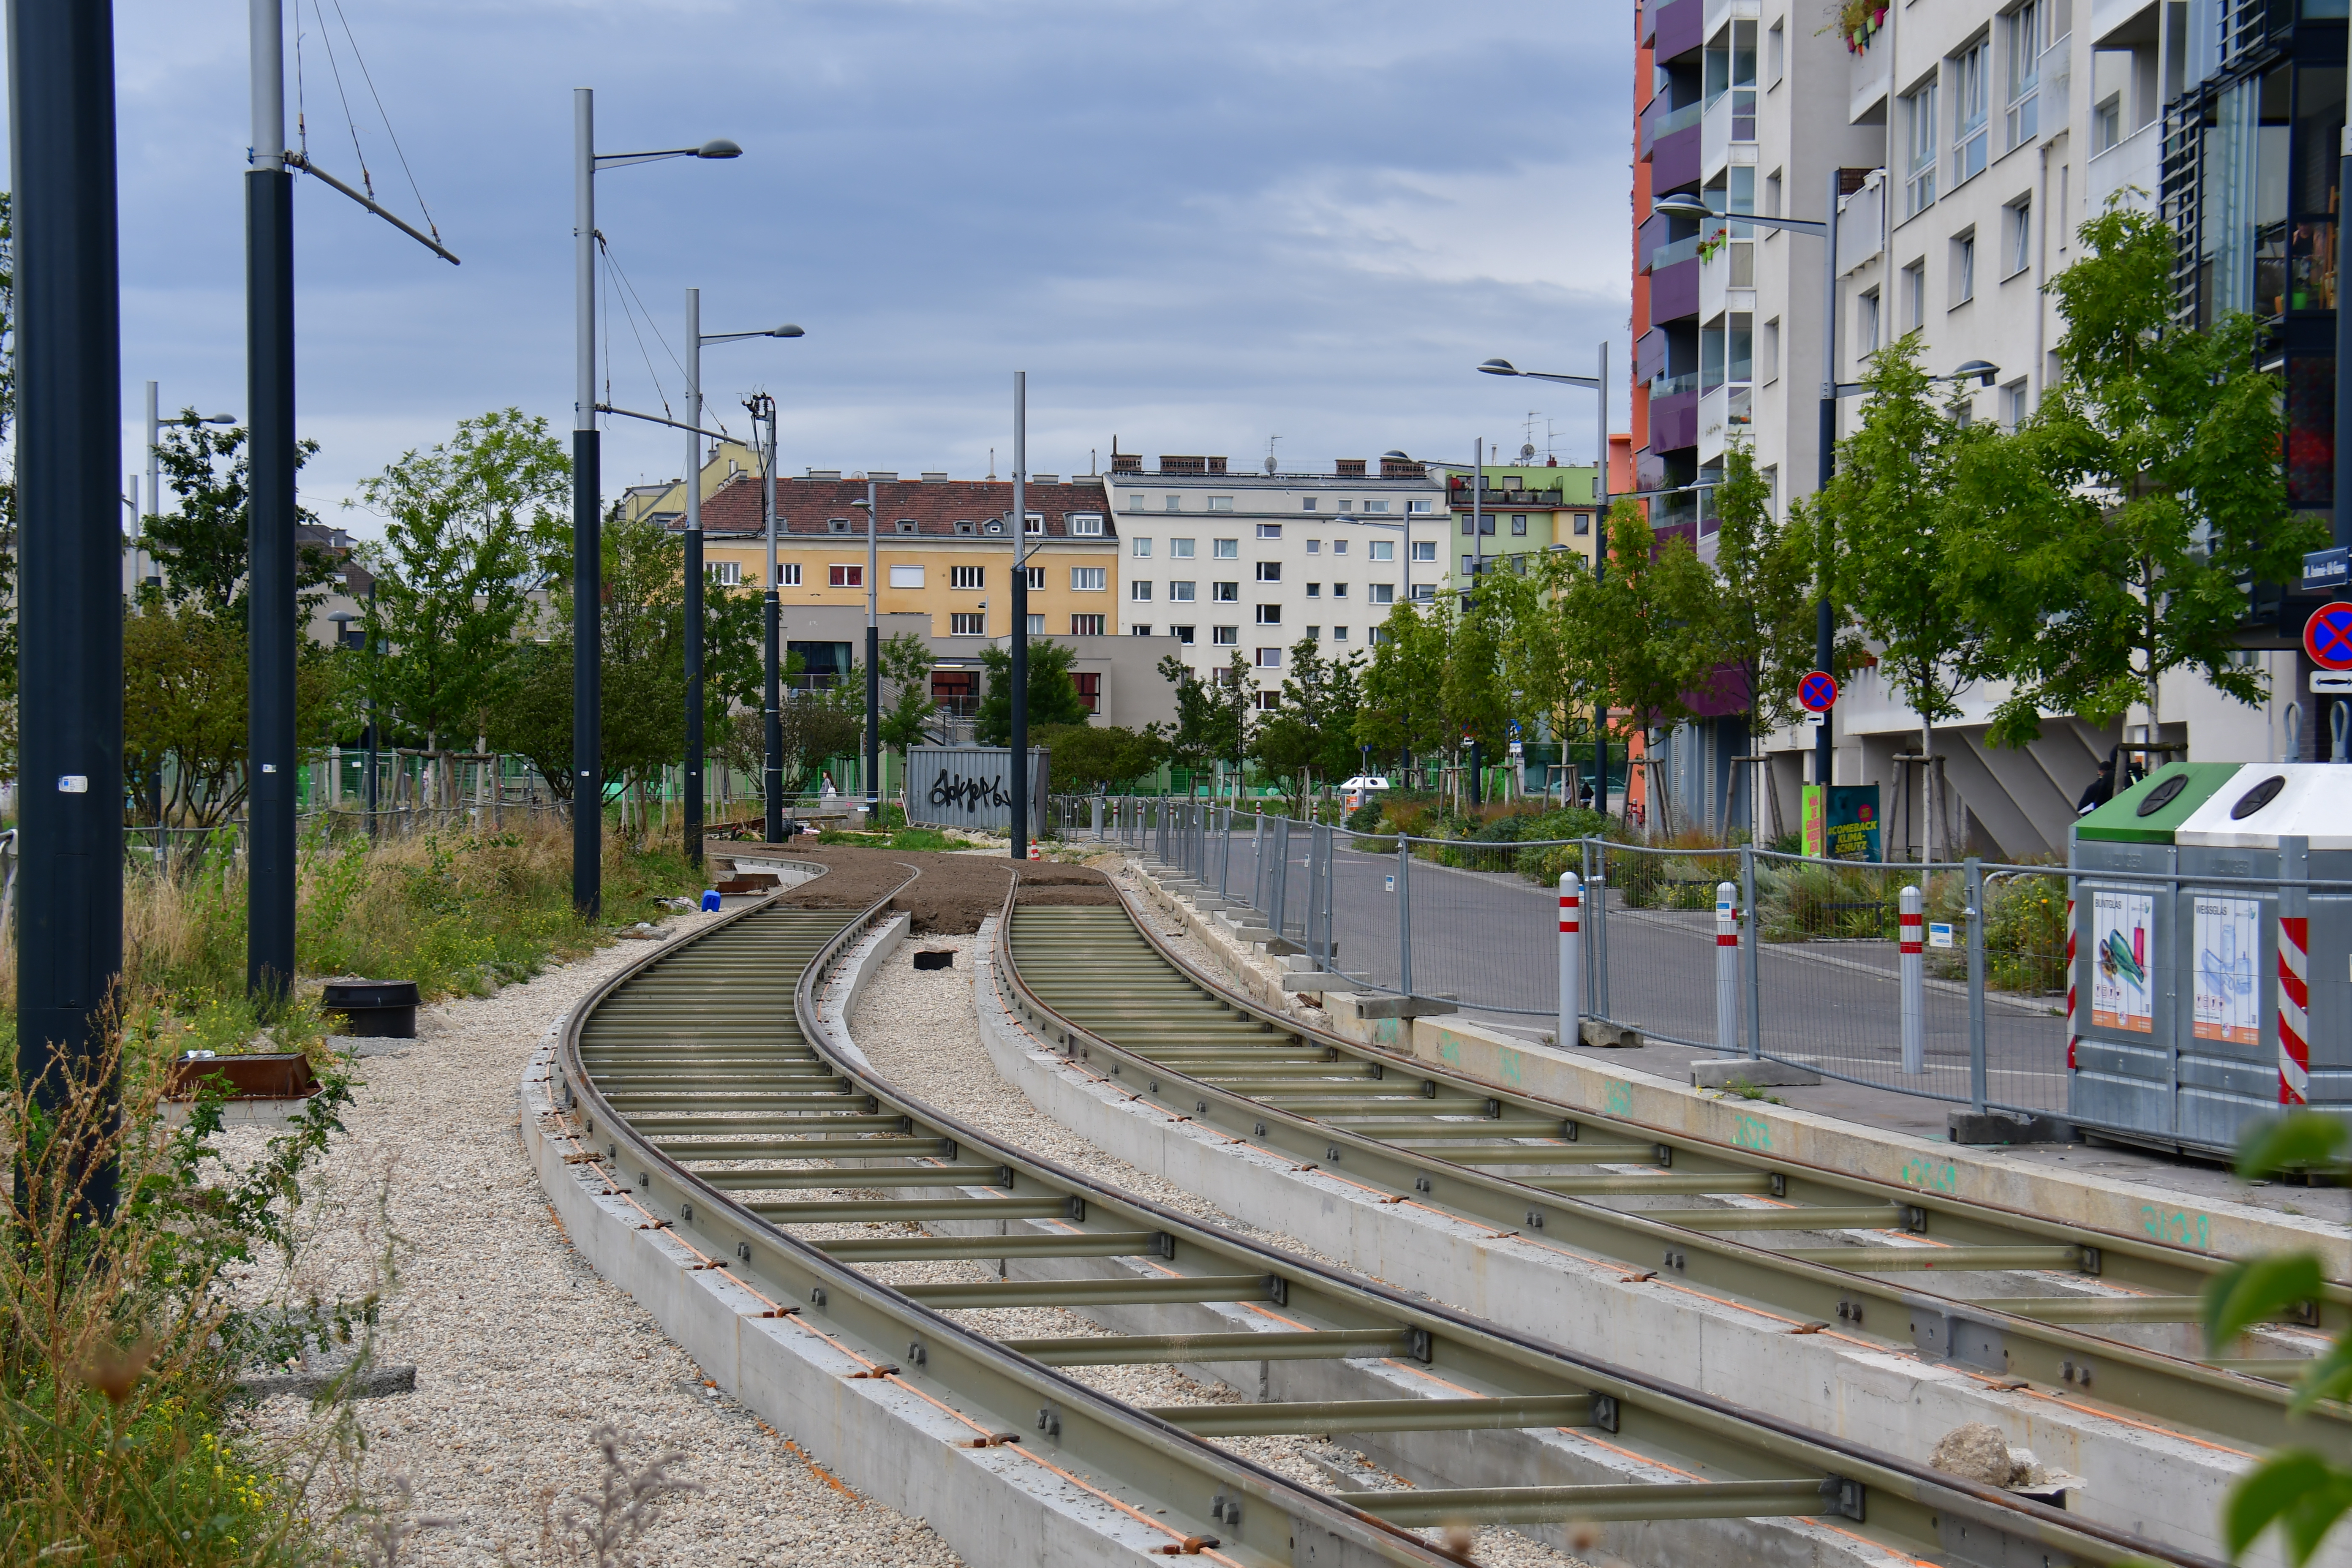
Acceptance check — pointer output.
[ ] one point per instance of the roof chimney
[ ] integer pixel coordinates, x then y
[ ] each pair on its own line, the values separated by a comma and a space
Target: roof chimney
1349, 467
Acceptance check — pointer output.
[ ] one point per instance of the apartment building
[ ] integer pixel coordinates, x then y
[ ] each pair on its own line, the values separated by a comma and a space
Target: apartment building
1966, 142
1225, 561
1523, 511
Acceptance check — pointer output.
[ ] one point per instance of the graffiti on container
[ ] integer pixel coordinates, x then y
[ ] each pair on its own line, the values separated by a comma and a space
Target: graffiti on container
2175, 1226
954, 789
1750, 1132
1933, 1176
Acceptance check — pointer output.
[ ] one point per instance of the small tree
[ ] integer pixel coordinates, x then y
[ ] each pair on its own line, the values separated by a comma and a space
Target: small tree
905, 723
1403, 709
1053, 695
205, 545
1766, 572
1089, 757
2125, 516
1477, 699
1310, 734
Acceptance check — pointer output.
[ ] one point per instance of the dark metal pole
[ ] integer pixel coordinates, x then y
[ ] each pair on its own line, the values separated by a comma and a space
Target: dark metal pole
1824, 634
694, 579
2342, 530
1600, 566
1020, 642
771, 636
1478, 572
373, 643
69, 366
587, 532
270, 610
873, 669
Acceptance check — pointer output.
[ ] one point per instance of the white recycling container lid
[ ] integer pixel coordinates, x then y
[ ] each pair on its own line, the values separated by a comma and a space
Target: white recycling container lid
2270, 801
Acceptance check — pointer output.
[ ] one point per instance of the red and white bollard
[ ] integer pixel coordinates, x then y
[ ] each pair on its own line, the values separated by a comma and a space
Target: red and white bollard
2294, 1005
2074, 1022
1914, 966
1572, 960
1726, 967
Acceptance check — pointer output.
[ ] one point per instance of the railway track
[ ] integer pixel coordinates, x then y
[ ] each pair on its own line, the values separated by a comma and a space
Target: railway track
704, 1085
2012, 1295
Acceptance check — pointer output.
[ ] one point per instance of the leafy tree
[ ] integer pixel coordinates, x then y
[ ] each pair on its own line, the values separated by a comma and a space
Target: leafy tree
205, 545
1403, 709
1311, 732
453, 571
1644, 635
818, 726
1193, 744
1768, 592
183, 707
1089, 757
1477, 702
2121, 521
905, 723
1899, 523
1053, 695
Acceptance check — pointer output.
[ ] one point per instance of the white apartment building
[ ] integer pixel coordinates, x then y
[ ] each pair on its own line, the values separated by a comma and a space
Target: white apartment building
1970, 139
1225, 562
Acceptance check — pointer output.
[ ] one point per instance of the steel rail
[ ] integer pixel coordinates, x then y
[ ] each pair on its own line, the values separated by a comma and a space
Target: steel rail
1137, 1460
1417, 1132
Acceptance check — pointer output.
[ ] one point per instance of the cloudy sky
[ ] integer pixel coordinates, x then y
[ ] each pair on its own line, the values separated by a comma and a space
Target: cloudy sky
1196, 225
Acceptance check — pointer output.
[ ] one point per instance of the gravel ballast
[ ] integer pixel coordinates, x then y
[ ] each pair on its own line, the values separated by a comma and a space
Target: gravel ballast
520, 1350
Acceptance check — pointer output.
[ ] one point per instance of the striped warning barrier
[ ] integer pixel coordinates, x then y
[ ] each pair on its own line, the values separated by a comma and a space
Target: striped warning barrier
2294, 1004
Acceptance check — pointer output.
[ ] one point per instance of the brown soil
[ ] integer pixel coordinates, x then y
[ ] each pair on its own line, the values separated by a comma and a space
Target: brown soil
952, 893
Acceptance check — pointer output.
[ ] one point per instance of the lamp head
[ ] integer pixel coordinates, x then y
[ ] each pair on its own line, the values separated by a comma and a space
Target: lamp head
788, 331
219, 419
1498, 367
718, 148
1393, 456
1984, 370
1684, 205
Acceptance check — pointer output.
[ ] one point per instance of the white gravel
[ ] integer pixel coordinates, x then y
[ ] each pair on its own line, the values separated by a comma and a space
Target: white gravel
521, 1350
920, 1028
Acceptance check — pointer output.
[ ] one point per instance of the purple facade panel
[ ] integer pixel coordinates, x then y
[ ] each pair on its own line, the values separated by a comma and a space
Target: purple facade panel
1681, 27
1674, 293
1674, 160
1674, 421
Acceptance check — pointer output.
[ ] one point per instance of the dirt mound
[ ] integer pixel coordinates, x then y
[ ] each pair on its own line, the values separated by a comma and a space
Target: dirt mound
952, 894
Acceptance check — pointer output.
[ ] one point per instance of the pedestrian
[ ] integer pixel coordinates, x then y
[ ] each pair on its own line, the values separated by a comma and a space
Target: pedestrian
2100, 790
828, 793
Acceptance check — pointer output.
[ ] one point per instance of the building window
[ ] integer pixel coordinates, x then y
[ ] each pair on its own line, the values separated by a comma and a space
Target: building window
2012, 404
1179, 593
1385, 550
1771, 478
1865, 324
1338, 591
1314, 547
1036, 575
1139, 629
1314, 590
1269, 615
1088, 681
849, 577
1338, 547
836, 525
1140, 590
1226, 549
1964, 267
1265, 702
1269, 571
1221, 503
1768, 356
1135, 500
1418, 507
726, 573
1087, 579
1269, 659
1183, 636
1083, 626
1374, 637
1225, 636
1972, 112
1338, 634
1771, 207
1583, 523
1422, 592
906, 577
2108, 124
1086, 523
1269, 530
1315, 633
1376, 506
1173, 503
1423, 550
1520, 523
1225, 593
1143, 549
968, 624
2017, 236
1346, 505
1776, 56
1383, 593
2026, 44
1914, 294
1920, 148
964, 525
1307, 503
1034, 523
967, 577
788, 574
1036, 625
1180, 549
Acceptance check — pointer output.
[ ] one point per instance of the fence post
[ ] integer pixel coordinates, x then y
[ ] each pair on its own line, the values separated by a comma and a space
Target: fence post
1404, 915
2295, 971
1596, 907
1912, 949
1976, 986
1751, 954
1278, 883
1571, 959
1226, 850
1727, 968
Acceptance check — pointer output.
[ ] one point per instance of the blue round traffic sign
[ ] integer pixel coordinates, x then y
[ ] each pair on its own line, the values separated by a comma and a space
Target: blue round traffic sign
1819, 690
2328, 635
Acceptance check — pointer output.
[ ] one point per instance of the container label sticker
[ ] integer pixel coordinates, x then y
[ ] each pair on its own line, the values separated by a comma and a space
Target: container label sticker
2121, 996
2228, 950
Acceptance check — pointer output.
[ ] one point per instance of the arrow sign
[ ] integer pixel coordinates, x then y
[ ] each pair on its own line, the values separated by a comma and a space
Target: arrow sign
2326, 636
1819, 690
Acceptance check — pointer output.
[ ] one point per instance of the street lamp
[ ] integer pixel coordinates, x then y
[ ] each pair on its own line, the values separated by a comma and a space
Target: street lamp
873, 669
587, 524
762, 407
1599, 382
695, 338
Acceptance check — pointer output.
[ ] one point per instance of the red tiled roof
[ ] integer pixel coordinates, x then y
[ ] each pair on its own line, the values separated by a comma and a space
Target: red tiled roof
807, 506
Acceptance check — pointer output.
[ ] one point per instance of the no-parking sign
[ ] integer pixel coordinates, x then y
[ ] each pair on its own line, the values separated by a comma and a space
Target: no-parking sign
1819, 690
2326, 636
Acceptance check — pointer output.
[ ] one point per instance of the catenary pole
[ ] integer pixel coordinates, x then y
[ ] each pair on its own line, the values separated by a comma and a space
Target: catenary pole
1478, 575
70, 413
587, 530
694, 578
772, 639
1020, 642
1600, 566
873, 670
270, 451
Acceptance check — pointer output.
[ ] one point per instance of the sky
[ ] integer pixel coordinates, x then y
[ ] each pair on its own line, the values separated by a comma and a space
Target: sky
1195, 226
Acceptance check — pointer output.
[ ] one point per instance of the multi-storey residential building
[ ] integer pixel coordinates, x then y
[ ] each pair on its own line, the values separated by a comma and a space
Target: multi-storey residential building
1225, 562
1968, 139
1523, 512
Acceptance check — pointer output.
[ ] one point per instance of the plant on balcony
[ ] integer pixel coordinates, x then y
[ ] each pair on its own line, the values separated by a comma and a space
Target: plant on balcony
1857, 22
1713, 243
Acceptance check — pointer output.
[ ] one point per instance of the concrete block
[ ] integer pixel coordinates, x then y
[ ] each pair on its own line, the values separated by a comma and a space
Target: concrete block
1998, 1127
1609, 1037
1317, 981
1370, 1007
1756, 1074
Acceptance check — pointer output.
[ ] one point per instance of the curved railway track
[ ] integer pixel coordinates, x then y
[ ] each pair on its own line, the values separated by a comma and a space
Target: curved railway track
706, 1086
2014, 1296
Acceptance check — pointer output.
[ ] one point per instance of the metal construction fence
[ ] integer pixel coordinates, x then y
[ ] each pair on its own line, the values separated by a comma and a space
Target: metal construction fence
1812, 968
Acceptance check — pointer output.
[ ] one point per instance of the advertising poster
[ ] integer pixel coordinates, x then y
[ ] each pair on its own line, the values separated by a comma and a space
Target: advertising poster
2229, 953
1840, 822
2121, 995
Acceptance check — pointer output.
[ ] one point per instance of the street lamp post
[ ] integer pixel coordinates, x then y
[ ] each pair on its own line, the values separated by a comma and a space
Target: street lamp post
587, 522
695, 338
1599, 384
1020, 646
771, 622
873, 670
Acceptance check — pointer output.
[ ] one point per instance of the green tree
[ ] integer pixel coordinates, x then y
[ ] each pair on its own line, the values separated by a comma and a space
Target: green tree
1053, 695
1404, 712
204, 545
1191, 743
1767, 591
1310, 733
1899, 525
644, 631
2122, 522
905, 723
453, 571
1090, 757
1645, 636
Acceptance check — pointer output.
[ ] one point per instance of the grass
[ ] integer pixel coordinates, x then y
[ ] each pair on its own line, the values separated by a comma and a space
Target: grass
903, 839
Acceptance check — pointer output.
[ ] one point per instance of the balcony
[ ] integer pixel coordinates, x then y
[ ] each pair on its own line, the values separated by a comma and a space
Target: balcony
1659, 121
2119, 23
1673, 290
1673, 251
1674, 415
1724, 415
1730, 119
2135, 161
1862, 224
1680, 28
1727, 279
1870, 76
1649, 355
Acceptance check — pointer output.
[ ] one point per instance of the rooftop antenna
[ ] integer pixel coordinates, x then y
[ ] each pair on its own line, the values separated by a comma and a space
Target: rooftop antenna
991, 462
1270, 465
1093, 463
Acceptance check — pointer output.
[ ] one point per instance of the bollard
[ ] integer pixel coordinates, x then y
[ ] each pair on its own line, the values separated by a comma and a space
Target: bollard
1915, 983
1571, 959
1726, 967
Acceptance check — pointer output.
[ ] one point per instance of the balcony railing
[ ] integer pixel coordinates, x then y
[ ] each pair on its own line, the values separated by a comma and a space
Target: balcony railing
1673, 251
1658, 120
